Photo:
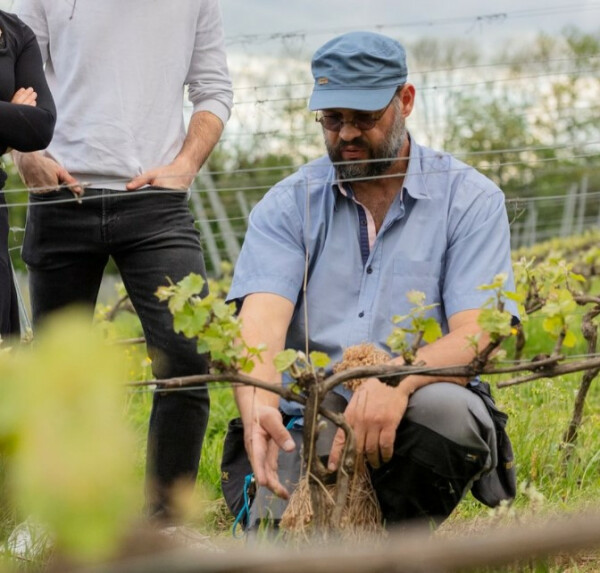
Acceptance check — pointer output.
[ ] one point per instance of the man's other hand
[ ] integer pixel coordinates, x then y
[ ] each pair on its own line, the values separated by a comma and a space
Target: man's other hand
374, 412
263, 441
177, 175
42, 174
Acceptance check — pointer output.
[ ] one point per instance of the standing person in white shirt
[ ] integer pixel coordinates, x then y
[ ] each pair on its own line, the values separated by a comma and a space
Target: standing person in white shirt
117, 71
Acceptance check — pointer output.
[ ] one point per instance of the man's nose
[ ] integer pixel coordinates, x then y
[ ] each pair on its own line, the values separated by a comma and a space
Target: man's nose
349, 131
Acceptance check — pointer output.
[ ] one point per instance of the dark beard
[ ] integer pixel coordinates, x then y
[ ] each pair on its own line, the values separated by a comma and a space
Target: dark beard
381, 158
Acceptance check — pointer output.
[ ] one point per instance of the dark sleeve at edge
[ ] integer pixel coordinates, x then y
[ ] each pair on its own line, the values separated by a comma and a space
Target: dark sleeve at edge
23, 127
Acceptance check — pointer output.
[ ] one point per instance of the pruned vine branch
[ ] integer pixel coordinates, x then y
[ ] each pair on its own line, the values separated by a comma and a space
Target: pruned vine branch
390, 374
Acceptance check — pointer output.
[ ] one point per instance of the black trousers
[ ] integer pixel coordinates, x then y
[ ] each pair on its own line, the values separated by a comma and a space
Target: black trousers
9, 308
152, 238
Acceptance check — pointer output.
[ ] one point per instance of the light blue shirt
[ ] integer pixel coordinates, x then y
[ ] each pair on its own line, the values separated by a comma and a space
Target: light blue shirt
445, 234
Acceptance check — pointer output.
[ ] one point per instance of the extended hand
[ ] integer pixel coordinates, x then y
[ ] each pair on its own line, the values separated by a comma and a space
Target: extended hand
374, 412
263, 441
178, 175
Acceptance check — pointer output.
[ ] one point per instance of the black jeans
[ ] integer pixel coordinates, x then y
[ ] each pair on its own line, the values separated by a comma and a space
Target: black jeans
9, 309
151, 237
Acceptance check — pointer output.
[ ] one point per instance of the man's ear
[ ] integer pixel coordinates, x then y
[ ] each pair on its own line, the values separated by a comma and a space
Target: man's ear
407, 97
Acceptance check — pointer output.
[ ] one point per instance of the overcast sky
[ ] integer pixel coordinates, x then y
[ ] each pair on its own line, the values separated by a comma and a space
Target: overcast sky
258, 25
312, 22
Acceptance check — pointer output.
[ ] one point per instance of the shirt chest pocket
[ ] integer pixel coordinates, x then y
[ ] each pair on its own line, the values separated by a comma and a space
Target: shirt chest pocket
423, 276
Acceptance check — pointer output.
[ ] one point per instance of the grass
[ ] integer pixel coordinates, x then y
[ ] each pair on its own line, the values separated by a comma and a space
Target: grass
549, 483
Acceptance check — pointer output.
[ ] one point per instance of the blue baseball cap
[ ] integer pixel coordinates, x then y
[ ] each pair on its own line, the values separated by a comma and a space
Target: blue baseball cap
358, 70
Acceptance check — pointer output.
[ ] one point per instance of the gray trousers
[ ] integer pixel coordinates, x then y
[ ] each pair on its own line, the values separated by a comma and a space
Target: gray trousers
445, 441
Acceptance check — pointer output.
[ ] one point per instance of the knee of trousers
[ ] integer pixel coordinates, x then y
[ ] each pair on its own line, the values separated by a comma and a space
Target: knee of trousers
456, 413
177, 358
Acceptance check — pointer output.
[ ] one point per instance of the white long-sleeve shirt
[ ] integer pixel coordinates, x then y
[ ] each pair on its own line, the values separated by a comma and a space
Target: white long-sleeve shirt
118, 70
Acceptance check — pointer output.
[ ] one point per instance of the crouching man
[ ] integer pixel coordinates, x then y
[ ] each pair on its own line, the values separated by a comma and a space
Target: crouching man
377, 217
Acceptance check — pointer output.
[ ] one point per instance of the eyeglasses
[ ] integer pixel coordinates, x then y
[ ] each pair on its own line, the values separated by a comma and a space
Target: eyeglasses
361, 120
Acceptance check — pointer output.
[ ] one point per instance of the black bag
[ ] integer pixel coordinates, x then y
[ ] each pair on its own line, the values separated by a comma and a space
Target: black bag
235, 467
237, 478
501, 483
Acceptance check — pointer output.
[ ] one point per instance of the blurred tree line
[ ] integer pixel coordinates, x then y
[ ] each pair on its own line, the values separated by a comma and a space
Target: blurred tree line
535, 130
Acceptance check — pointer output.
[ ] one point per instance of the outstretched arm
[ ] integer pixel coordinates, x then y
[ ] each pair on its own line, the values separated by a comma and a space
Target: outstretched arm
265, 320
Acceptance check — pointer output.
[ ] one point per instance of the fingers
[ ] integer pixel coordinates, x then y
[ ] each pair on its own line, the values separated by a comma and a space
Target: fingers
273, 482
379, 446
42, 174
387, 438
336, 450
19, 95
339, 440
374, 412
152, 178
140, 181
166, 177
265, 469
25, 96
278, 432
30, 99
269, 435
65, 178
372, 448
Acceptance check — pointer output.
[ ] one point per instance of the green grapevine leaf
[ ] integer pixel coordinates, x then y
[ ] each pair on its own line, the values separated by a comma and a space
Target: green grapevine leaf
495, 322
570, 339
319, 359
553, 325
397, 341
284, 359
432, 330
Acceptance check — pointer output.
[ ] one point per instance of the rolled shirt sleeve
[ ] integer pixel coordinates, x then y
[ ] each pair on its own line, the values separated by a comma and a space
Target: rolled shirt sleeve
209, 84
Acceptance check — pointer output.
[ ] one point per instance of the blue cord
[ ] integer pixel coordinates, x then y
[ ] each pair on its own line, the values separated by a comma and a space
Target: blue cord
248, 481
245, 511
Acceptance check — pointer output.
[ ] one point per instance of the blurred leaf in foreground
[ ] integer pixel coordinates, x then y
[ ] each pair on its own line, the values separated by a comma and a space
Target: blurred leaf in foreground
71, 466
